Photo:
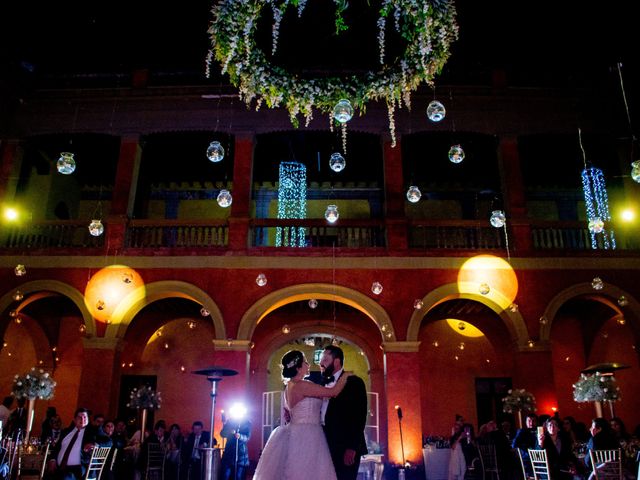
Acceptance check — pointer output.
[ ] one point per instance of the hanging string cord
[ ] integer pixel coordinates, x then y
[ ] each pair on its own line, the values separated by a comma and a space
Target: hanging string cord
584, 155
333, 280
506, 242
624, 98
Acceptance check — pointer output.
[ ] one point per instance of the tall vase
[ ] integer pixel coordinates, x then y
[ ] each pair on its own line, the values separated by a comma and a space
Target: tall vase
143, 423
598, 405
31, 410
519, 418
611, 409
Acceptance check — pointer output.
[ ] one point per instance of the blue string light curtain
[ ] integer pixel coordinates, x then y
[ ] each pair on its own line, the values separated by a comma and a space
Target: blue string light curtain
292, 203
597, 204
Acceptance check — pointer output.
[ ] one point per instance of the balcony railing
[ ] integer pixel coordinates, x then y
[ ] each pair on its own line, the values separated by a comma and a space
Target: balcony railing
318, 233
177, 233
455, 234
49, 234
552, 235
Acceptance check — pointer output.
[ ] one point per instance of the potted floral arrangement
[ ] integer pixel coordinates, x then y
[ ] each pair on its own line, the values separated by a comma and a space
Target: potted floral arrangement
596, 388
144, 399
35, 384
519, 400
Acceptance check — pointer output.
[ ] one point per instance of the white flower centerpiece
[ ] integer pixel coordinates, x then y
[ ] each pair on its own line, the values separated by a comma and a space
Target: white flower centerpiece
144, 398
35, 384
428, 27
517, 401
596, 388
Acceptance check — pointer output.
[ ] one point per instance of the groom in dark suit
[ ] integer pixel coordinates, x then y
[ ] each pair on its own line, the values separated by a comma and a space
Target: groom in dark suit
345, 416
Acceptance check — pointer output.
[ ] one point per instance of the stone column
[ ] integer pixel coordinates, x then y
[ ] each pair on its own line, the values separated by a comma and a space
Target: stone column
514, 194
395, 219
241, 206
124, 191
403, 390
98, 387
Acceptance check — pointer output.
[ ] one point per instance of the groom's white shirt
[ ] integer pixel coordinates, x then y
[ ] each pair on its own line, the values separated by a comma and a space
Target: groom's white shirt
325, 401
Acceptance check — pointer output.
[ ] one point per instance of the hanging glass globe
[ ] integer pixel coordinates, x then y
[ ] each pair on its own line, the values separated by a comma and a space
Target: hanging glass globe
623, 301
462, 326
596, 225
343, 111
82, 328
13, 313
635, 171
484, 289
332, 214
456, 154
96, 228
204, 312
18, 320
376, 288
286, 329
461, 345
498, 219
224, 198
100, 305
543, 320
597, 283
418, 304
436, 111
191, 324
414, 194
513, 308
261, 280
313, 303
66, 164
621, 321
18, 295
215, 152
337, 162
20, 270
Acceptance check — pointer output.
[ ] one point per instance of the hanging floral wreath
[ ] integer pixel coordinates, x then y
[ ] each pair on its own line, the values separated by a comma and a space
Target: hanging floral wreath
519, 399
144, 397
427, 26
596, 388
34, 384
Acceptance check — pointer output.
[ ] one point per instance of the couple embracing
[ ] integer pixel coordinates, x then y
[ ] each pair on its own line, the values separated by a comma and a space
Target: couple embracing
324, 438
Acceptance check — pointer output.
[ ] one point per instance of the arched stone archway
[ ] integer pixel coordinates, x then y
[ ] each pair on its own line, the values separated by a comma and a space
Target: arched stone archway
319, 291
122, 317
513, 321
57, 287
581, 289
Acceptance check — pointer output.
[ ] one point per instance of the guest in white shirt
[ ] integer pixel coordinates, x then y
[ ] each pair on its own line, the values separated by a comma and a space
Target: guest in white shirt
5, 411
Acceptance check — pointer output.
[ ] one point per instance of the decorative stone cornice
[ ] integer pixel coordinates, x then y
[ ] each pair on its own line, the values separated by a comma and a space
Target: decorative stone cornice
101, 343
399, 347
232, 345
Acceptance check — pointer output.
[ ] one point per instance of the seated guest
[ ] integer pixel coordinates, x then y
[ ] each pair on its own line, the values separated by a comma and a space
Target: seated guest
620, 431
174, 446
17, 422
157, 438
70, 458
526, 438
557, 444
45, 432
52, 434
191, 455
602, 438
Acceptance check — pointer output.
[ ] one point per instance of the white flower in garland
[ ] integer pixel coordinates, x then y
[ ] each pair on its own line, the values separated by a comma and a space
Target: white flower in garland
428, 27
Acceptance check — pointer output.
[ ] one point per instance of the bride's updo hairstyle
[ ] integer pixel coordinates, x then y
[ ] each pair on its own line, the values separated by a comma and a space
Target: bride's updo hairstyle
291, 362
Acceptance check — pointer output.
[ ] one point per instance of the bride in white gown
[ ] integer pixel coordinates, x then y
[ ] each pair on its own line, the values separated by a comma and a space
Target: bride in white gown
298, 450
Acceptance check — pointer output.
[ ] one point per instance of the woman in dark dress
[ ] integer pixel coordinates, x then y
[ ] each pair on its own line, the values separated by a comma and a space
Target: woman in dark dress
558, 445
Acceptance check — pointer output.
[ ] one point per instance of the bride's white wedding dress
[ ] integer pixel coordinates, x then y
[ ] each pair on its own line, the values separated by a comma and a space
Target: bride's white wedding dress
297, 450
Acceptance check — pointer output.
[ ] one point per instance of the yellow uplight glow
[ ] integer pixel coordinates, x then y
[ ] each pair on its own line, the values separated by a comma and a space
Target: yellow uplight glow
468, 330
628, 215
10, 214
492, 271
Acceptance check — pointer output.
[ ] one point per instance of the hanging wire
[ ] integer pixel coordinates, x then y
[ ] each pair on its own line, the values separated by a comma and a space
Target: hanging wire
584, 155
624, 98
333, 281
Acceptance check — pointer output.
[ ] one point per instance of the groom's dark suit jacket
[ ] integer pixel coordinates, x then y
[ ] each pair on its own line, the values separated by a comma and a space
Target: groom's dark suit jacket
346, 418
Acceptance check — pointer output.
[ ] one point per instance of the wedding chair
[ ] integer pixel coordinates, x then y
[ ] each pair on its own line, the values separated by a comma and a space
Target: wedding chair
45, 458
489, 461
525, 474
155, 462
96, 463
540, 464
607, 464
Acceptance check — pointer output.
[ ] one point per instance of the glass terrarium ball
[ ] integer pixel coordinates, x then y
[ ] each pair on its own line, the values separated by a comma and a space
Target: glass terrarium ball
456, 154
484, 289
18, 295
224, 198
313, 303
436, 111
332, 214
597, 283
635, 171
343, 111
418, 304
596, 225
414, 194
623, 301
376, 288
337, 162
204, 312
66, 164
215, 152
96, 228
20, 270
261, 280
498, 219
